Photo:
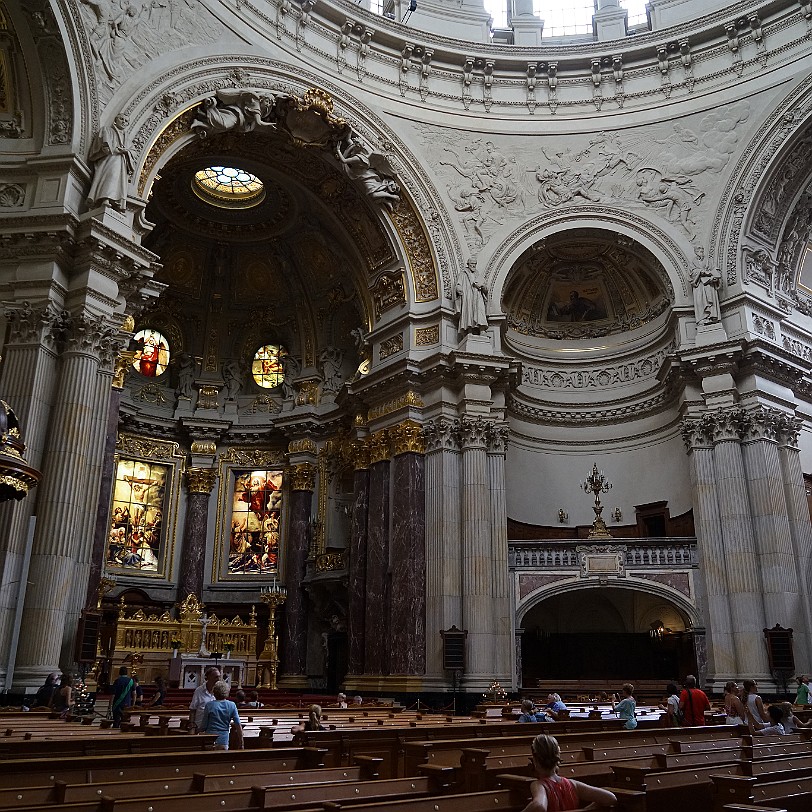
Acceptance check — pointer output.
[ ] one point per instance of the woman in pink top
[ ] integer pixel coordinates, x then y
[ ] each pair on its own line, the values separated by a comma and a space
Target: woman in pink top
551, 792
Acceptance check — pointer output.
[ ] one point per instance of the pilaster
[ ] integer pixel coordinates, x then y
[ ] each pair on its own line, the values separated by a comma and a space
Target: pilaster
357, 553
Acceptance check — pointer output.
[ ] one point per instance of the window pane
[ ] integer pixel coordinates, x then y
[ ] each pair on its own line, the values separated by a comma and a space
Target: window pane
567, 18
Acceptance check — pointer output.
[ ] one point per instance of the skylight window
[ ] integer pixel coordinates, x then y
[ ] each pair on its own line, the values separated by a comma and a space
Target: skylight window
228, 186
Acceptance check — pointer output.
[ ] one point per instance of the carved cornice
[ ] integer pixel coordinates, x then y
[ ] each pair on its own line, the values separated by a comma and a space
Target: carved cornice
148, 447
200, 480
378, 445
410, 399
303, 477
407, 437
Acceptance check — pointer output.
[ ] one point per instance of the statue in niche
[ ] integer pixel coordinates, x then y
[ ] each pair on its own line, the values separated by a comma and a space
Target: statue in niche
113, 164
290, 370
232, 378
371, 169
705, 282
470, 295
241, 111
330, 359
186, 376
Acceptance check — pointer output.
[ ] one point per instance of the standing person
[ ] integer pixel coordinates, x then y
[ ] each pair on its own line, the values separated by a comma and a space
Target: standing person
734, 709
201, 697
751, 699
553, 793
626, 707
802, 695
219, 715
693, 703
673, 715
122, 695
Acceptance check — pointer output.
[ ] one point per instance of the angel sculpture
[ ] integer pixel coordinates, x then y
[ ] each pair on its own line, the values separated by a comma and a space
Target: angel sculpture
241, 111
371, 169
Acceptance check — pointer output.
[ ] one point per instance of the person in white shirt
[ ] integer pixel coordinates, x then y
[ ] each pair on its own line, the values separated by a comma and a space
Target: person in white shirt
771, 728
201, 697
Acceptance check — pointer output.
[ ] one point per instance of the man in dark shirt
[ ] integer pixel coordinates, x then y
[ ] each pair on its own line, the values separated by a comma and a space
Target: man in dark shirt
123, 690
693, 703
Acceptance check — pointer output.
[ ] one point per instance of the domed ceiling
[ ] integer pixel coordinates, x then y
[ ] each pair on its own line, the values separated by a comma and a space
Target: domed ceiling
585, 283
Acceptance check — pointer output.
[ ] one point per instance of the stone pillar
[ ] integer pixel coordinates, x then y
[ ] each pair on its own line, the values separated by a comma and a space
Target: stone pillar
65, 497
698, 436
477, 565
407, 624
500, 584
294, 630
443, 551
28, 383
743, 580
192, 572
357, 553
377, 597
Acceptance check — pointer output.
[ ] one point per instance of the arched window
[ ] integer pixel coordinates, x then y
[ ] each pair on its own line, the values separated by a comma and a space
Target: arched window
228, 187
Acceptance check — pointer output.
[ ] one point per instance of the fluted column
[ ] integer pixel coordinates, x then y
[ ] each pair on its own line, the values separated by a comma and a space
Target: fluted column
407, 639
377, 596
357, 574
743, 580
443, 550
698, 436
65, 498
294, 630
477, 566
500, 583
199, 484
29, 377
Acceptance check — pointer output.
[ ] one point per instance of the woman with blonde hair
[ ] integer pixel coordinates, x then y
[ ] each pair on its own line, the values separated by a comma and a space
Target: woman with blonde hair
313, 721
554, 793
626, 707
734, 709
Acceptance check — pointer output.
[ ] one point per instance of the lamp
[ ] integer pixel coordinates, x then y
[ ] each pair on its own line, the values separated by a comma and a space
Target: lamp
597, 483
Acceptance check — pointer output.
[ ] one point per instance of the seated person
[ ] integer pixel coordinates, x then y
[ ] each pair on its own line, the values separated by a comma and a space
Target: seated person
555, 705
313, 721
789, 720
530, 713
342, 701
357, 700
253, 700
772, 728
239, 699
160, 693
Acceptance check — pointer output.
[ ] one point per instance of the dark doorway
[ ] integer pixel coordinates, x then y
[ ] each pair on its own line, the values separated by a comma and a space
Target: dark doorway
336, 660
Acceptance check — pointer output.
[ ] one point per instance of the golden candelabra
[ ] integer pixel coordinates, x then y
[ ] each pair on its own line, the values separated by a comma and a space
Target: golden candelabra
274, 596
597, 483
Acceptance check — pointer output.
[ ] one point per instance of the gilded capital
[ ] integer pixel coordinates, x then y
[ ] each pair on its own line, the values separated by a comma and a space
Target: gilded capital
407, 437
200, 480
379, 447
360, 455
303, 477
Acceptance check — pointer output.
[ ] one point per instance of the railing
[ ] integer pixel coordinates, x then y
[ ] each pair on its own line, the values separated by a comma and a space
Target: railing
646, 552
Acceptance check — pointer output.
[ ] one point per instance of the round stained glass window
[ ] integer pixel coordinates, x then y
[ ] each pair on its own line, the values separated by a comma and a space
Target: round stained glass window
151, 353
228, 187
268, 366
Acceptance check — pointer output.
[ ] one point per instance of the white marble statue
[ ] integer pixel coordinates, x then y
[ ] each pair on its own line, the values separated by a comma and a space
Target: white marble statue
371, 169
470, 296
241, 111
113, 164
330, 359
232, 378
186, 376
290, 369
705, 282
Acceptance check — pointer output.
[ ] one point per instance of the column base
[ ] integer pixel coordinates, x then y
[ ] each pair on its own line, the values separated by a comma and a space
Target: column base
32, 676
292, 682
393, 683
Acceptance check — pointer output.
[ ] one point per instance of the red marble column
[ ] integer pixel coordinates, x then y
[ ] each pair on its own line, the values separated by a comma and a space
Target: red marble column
407, 624
356, 586
199, 483
293, 654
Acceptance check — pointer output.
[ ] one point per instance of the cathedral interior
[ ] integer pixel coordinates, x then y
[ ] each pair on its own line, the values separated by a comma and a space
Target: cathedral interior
401, 352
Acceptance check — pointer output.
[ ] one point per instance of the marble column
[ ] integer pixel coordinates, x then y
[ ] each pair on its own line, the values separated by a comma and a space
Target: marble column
294, 630
357, 565
443, 544
500, 584
192, 572
377, 597
407, 606
65, 497
29, 377
743, 580
477, 565
698, 436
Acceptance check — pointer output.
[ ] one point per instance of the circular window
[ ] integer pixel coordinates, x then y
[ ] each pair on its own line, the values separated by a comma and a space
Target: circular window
268, 366
228, 187
151, 354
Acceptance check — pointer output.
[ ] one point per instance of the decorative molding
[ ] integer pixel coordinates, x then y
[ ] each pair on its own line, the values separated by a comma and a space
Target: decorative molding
410, 399
148, 447
330, 562
390, 346
602, 560
388, 291
418, 250
304, 446
764, 327
303, 477
200, 480
205, 447
426, 336
253, 457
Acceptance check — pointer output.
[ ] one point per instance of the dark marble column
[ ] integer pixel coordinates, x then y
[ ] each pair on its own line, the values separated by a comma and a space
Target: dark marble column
407, 638
377, 586
356, 587
199, 484
293, 654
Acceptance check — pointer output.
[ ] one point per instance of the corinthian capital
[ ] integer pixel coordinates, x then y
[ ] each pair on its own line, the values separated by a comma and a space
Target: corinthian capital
498, 434
407, 437
379, 447
763, 423
303, 477
200, 480
728, 424
474, 432
441, 434
698, 433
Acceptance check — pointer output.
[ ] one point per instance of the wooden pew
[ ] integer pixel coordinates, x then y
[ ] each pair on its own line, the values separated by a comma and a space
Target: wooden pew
793, 794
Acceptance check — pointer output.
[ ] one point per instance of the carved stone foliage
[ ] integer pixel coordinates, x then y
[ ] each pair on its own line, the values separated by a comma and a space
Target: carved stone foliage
390, 346
200, 480
488, 185
12, 195
388, 291
426, 336
441, 435
725, 425
30, 322
764, 327
147, 447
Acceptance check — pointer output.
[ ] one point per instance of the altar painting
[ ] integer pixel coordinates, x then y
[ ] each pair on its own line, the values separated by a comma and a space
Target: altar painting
256, 512
135, 537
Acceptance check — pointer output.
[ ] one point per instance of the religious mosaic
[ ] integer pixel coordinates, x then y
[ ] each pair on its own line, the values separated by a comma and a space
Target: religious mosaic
256, 512
135, 538
152, 353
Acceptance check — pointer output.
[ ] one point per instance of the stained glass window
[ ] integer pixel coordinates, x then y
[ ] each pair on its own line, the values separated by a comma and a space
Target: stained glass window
228, 186
136, 521
268, 366
152, 353
256, 509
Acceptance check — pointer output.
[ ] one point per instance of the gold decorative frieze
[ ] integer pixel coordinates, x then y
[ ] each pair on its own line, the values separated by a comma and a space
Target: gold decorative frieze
411, 398
303, 446
426, 336
388, 291
418, 250
407, 437
303, 477
379, 447
148, 447
330, 562
391, 346
206, 447
253, 457
207, 397
200, 480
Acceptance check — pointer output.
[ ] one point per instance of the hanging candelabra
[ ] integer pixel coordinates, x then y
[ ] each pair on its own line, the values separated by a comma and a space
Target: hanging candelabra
597, 483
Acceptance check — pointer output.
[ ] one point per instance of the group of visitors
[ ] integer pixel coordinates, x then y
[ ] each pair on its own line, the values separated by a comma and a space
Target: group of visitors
250, 700
56, 693
128, 693
554, 710
211, 711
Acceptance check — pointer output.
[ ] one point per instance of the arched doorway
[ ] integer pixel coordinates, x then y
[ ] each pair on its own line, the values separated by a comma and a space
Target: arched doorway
607, 633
